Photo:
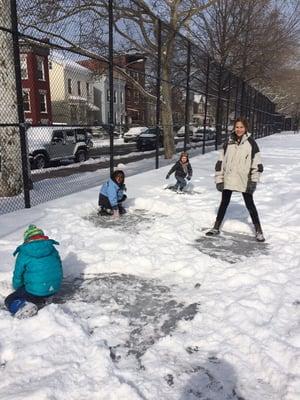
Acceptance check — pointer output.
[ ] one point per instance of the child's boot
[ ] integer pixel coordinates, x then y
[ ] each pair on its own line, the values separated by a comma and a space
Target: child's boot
26, 310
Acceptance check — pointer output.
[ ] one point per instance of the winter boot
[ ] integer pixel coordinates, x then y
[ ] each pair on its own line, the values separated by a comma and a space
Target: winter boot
27, 310
122, 210
104, 212
215, 230
258, 233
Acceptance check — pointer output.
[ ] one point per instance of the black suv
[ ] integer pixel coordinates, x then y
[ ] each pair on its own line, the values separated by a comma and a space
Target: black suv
49, 144
147, 139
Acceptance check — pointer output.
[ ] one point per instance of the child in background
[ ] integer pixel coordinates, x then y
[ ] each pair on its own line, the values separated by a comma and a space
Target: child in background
37, 273
112, 195
183, 170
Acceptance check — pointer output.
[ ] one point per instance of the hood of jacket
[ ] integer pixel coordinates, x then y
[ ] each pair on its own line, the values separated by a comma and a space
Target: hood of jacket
37, 248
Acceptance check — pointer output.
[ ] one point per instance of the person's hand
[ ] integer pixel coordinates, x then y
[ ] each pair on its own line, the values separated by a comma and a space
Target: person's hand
251, 187
116, 214
188, 178
168, 176
220, 186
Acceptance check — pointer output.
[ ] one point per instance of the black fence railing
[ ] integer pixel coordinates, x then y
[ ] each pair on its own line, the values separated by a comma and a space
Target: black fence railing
85, 82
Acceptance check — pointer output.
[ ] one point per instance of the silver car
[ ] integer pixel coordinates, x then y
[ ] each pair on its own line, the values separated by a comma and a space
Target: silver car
49, 144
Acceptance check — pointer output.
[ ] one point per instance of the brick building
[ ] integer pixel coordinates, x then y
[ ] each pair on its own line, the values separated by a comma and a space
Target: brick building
35, 83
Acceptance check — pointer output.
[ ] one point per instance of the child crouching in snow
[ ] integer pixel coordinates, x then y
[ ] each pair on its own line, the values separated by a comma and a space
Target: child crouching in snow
112, 195
37, 274
183, 170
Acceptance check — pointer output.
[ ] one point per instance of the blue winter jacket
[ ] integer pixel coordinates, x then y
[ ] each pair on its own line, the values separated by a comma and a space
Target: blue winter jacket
38, 268
113, 191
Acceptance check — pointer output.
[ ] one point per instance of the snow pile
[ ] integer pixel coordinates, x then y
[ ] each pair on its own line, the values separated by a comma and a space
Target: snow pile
152, 310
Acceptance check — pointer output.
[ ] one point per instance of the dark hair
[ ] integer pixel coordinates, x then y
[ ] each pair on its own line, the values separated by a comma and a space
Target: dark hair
117, 173
184, 154
243, 120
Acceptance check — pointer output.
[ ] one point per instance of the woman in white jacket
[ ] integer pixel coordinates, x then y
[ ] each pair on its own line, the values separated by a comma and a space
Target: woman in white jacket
237, 170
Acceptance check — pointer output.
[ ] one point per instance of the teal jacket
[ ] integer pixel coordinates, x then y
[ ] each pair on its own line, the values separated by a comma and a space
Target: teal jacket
38, 268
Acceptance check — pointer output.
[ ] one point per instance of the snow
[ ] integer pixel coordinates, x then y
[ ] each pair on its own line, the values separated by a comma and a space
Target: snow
149, 310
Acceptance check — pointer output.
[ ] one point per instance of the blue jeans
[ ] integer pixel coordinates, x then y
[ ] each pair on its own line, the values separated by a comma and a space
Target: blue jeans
16, 300
181, 182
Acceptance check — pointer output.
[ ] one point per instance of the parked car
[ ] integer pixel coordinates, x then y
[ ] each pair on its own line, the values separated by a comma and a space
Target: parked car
51, 143
181, 131
147, 139
133, 133
198, 135
102, 132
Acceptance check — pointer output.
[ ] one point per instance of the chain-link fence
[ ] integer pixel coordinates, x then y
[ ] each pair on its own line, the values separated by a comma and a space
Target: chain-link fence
87, 85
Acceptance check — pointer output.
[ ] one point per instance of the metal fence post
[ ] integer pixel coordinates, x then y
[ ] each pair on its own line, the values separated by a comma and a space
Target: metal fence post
260, 116
228, 105
218, 111
158, 85
236, 97
111, 84
253, 113
206, 104
22, 130
242, 108
187, 97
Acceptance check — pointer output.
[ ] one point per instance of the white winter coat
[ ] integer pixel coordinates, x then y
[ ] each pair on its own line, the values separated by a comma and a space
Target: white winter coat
239, 163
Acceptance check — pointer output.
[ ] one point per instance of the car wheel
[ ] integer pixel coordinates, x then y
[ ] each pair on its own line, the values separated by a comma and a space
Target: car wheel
81, 156
40, 161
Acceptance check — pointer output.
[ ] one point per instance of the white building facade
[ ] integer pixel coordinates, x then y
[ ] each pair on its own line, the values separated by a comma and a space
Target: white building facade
72, 93
101, 85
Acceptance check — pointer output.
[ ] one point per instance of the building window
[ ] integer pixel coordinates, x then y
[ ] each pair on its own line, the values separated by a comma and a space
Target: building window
24, 70
26, 100
116, 117
121, 97
87, 89
40, 68
70, 86
115, 96
107, 95
43, 102
79, 88
73, 113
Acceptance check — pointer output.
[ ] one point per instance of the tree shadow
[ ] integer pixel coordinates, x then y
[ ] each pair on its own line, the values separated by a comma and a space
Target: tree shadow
214, 380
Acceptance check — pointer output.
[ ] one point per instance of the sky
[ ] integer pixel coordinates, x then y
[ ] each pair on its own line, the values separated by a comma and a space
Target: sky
153, 309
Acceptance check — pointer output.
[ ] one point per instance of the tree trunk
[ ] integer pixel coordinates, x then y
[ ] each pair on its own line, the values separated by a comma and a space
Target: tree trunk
10, 150
166, 111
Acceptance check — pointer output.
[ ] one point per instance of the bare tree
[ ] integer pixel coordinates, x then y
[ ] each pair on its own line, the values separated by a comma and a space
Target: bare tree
251, 37
10, 154
136, 27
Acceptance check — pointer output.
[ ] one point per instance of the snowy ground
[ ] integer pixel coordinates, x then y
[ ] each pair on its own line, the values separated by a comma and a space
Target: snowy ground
152, 309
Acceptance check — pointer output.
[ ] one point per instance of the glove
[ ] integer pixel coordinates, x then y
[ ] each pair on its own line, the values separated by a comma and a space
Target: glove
116, 214
251, 187
188, 178
168, 176
220, 186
